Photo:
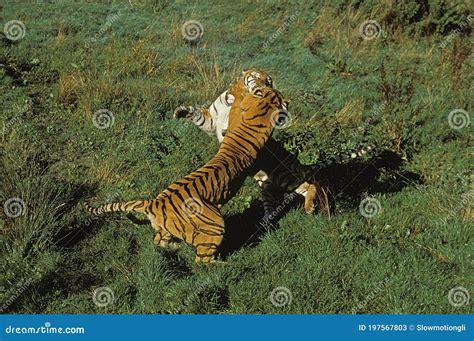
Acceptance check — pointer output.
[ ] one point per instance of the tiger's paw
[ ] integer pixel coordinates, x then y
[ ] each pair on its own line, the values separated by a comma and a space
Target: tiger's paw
183, 112
309, 207
230, 99
207, 260
174, 246
204, 260
166, 243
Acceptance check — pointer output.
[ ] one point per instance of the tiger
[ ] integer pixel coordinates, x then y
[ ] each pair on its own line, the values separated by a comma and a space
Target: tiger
277, 171
188, 209
285, 173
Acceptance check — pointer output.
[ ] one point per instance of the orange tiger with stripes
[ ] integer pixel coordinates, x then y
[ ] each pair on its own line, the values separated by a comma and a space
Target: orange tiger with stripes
189, 208
277, 171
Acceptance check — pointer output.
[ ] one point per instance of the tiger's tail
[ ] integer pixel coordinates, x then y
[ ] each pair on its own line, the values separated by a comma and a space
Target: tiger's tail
139, 206
323, 192
341, 157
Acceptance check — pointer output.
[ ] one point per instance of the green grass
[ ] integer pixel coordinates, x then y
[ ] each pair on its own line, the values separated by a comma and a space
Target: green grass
394, 91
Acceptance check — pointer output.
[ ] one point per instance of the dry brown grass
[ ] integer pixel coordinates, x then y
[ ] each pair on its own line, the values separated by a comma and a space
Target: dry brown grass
85, 90
70, 85
141, 54
351, 113
211, 75
62, 32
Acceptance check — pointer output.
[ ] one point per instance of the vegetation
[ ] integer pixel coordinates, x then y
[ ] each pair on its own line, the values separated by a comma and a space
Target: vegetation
129, 57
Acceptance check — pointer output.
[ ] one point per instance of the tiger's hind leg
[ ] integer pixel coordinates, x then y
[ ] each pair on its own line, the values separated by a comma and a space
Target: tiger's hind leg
207, 237
165, 240
309, 192
315, 194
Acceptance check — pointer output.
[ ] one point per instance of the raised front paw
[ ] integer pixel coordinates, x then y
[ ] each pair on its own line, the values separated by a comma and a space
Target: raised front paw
183, 112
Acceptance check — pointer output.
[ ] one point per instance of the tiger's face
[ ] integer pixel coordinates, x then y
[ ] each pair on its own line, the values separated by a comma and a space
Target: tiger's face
248, 80
256, 78
260, 107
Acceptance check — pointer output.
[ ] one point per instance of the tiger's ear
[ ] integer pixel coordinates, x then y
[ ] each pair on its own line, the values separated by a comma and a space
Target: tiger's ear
285, 105
269, 80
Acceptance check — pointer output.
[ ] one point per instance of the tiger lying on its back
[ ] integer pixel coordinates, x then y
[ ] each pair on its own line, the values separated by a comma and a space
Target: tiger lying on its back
188, 208
277, 171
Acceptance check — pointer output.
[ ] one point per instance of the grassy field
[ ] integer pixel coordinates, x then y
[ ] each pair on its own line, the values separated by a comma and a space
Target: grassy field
393, 85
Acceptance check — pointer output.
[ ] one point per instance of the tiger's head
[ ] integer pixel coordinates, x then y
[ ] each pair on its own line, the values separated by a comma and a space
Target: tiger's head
248, 80
256, 78
258, 111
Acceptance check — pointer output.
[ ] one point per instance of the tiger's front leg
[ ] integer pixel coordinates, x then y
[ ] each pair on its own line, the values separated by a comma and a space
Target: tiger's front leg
200, 117
272, 198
